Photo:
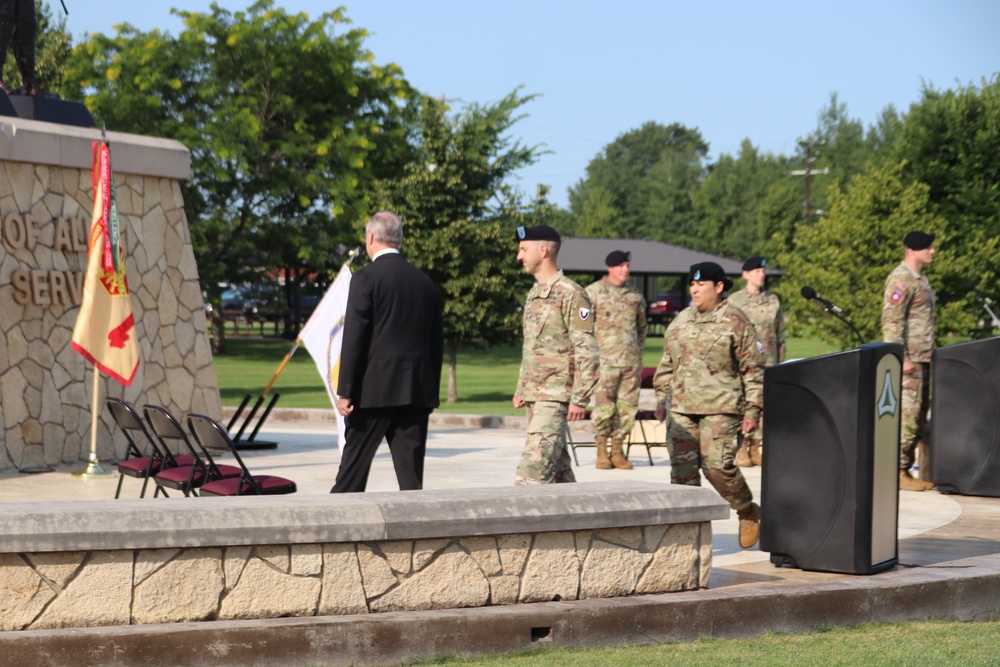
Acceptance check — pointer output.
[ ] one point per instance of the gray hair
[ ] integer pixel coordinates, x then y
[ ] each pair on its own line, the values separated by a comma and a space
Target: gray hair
387, 228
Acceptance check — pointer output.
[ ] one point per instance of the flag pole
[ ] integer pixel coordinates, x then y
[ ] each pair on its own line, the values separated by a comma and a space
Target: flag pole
351, 256
93, 469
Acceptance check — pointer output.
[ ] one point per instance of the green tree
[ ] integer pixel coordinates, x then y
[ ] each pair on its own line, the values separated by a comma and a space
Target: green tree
52, 52
847, 255
730, 198
950, 141
778, 214
598, 216
652, 175
459, 219
288, 120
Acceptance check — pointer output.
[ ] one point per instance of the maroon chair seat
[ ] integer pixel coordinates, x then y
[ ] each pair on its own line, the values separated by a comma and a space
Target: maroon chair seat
209, 433
235, 486
142, 466
182, 476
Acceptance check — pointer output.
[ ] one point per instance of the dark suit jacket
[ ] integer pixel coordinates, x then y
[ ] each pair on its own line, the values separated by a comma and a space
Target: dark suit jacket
393, 337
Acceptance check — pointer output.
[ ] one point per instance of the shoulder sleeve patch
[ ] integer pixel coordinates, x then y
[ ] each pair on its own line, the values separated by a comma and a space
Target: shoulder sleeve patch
582, 316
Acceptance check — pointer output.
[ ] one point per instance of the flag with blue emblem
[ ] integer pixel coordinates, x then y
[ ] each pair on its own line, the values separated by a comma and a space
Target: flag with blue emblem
323, 335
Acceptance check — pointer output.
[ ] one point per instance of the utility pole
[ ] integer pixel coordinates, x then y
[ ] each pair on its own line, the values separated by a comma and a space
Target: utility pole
808, 172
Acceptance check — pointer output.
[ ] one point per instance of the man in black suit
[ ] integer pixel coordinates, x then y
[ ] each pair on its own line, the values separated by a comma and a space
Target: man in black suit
390, 368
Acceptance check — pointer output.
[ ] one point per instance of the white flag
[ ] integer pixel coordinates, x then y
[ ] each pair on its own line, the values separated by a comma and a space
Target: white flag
323, 335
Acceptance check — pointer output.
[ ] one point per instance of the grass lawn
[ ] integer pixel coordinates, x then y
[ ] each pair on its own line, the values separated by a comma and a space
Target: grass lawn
486, 378
871, 645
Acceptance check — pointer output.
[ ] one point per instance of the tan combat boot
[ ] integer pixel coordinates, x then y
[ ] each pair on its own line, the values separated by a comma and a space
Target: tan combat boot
756, 455
749, 525
743, 459
601, 443
618, 459
910, 483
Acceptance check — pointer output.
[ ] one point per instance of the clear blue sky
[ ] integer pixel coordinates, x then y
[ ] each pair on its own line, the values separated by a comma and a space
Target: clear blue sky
734, 70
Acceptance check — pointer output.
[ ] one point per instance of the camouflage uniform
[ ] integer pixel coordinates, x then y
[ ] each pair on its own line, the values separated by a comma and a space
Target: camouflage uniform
908, 318
712, 371
764, 311
620, 327
559, 366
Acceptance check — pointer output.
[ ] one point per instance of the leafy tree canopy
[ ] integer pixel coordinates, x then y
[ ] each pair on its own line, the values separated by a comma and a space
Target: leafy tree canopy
287, 119
459, 219
649, 178
848, 254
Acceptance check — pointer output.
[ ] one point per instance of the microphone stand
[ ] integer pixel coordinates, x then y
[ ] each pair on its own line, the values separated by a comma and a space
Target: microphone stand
986, 304
861, 339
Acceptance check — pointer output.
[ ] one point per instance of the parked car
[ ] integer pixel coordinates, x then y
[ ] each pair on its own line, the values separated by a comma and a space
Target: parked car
666, 306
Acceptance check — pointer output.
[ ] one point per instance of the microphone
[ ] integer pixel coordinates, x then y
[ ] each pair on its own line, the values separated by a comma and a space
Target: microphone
980, 294
810, 294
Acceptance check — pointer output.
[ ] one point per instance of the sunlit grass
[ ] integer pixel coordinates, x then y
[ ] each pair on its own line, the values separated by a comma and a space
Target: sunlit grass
486, 378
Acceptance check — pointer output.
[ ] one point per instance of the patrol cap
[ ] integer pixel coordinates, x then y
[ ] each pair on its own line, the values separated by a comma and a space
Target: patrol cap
754, 263
709, 271
537, 233
617, 258
918, 240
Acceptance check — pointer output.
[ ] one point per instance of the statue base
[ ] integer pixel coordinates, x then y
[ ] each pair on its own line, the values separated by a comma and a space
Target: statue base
48, 109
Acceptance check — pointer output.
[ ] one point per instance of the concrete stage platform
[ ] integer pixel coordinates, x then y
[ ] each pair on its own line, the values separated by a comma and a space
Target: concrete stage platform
949, 568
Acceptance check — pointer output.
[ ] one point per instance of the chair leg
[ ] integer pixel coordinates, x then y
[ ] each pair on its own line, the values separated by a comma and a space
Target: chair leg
145, 483
572, 446
118, 491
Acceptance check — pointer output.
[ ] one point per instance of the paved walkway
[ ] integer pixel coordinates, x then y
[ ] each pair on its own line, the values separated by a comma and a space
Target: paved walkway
931, 525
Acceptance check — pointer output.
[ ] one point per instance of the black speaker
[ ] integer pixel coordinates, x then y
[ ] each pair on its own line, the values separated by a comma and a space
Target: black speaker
52, 110
830, 479
965, 418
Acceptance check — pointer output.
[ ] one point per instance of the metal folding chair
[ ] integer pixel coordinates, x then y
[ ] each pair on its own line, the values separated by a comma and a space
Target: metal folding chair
203, 468
646, 429
210, 434
136, 463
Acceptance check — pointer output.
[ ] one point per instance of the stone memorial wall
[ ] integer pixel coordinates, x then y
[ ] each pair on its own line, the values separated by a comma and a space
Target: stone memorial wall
131, 562
46, 199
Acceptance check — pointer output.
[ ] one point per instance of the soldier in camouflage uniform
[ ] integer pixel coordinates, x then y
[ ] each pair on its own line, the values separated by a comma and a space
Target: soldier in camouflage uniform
908, 318
764, 310
559, 363
712, 374
620, 326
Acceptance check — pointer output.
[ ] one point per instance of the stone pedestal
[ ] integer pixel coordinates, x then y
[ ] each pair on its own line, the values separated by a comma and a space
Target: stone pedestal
46, 199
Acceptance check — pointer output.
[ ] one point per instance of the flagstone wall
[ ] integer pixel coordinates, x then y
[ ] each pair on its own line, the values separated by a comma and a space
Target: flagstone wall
46, 199
130, 562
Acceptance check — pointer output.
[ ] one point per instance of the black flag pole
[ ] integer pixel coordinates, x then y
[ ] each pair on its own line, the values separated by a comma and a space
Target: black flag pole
252, 442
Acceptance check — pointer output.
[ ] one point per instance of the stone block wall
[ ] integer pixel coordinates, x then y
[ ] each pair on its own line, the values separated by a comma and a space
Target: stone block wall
202, 559
46, 199
100, 588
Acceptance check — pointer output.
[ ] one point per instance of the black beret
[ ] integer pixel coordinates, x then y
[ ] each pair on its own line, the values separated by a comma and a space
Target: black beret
918, 240
538, 233
617, 258
709, 271
754, 263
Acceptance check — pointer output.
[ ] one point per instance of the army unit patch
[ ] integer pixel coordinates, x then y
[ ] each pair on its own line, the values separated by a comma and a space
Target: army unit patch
896, 295
584, 314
